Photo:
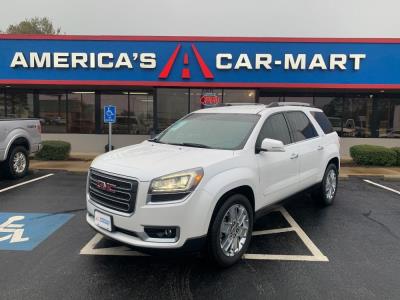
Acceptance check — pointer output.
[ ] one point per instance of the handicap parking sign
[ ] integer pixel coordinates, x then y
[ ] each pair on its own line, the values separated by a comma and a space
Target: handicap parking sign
110, 114
25, 231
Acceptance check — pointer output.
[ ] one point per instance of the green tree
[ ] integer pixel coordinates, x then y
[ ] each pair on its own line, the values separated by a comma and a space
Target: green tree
34, 26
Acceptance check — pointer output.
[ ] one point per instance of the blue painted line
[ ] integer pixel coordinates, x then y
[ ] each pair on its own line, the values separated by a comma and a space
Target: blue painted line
25, 231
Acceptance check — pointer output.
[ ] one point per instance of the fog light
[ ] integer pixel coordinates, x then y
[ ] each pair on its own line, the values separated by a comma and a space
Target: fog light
161, 233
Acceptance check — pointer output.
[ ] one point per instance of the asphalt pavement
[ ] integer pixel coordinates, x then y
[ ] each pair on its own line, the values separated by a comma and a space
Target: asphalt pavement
299, 251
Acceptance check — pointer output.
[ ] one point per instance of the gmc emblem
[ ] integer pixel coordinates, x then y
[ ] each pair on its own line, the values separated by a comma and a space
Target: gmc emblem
105, 186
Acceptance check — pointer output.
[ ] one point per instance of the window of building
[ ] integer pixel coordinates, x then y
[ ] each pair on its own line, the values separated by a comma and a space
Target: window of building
301, 99
357, 116
197, 94
19, 104
239, 96
263, 99
333, 109
275, 127
53, 111
394, 119
172, 104
141, 113
386, 117
81, 112
121, 101
301, 126
2, 104
134, 112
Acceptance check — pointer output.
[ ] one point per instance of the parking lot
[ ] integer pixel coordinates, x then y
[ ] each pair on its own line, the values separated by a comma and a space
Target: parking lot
300, 250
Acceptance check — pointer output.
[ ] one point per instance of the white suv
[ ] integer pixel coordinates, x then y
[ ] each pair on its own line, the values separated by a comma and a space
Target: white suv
201, 181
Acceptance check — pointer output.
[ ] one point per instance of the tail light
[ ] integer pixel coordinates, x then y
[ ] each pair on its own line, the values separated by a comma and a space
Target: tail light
39, 128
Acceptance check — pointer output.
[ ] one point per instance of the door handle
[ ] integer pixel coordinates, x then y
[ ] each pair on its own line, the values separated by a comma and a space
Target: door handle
320, 147
294, 156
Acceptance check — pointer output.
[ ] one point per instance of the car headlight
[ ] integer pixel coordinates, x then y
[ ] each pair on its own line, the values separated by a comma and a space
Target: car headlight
180, 182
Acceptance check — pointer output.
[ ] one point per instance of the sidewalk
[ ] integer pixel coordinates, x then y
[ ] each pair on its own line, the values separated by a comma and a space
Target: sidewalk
68, 165
389, 173
82, 166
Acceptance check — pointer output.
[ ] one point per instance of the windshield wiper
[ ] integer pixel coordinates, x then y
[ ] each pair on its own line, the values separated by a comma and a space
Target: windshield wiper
192, 145
154, 140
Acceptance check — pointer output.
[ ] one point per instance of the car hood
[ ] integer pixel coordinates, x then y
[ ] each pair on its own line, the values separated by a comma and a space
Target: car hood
148, 160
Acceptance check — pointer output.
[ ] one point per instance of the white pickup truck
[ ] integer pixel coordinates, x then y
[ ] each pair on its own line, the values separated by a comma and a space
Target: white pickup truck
18, 139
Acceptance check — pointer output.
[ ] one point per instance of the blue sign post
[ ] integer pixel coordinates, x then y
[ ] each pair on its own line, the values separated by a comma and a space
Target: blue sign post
110, 117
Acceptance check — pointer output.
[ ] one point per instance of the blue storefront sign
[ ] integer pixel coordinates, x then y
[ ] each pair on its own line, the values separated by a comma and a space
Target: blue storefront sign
208, 62
25, 231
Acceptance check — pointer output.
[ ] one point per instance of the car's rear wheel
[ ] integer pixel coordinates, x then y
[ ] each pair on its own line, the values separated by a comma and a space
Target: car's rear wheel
326, 192
230, 231
17, 163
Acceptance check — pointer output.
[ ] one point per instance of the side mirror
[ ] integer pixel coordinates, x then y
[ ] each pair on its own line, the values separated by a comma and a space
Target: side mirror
270, 145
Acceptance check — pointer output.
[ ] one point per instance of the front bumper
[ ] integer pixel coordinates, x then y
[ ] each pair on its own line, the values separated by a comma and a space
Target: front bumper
191, 245
190, 216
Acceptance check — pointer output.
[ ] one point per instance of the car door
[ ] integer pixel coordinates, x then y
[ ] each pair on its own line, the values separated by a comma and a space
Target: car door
310, 148
278, 171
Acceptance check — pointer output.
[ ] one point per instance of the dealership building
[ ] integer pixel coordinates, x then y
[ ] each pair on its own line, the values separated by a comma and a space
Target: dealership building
153, 81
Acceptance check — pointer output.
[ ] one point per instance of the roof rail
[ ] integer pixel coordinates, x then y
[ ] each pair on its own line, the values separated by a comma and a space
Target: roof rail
240, 103
277, 104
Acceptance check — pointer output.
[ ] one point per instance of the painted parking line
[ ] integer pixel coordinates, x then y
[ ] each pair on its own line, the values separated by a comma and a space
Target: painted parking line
25, 182
90, 249
382, 186
316, 255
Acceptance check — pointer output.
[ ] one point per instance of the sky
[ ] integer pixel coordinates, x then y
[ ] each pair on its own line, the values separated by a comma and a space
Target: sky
285, 18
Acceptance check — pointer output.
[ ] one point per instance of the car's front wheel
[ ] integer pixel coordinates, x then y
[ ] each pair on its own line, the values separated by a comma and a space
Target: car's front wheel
231, 230
17, 163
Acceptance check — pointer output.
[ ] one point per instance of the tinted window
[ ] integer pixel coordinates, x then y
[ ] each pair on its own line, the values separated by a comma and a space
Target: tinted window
19, 104
239, 96
2, 105
53, 111
122, 106
172, 104
275, 127
301, 126
323, 121
333, 109
81, 112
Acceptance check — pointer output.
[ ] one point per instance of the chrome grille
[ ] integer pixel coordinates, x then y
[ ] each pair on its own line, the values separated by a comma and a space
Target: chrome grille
113, 192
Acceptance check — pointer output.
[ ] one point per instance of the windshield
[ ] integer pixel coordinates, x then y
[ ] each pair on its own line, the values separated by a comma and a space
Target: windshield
216, 131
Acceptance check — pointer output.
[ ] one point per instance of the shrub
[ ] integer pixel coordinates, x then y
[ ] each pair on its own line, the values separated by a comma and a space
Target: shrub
373, 155
397, 150
54, 150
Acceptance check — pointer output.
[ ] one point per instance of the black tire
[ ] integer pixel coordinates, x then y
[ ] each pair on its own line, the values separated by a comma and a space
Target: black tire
215, 252
11, 170
321, 193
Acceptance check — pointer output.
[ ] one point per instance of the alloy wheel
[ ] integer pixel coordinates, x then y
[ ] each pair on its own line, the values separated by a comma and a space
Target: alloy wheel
234, 230
330, 184
19, 163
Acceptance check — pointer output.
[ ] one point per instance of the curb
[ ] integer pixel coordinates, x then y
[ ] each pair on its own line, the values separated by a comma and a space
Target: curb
370, 176
391, 177
60, 170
